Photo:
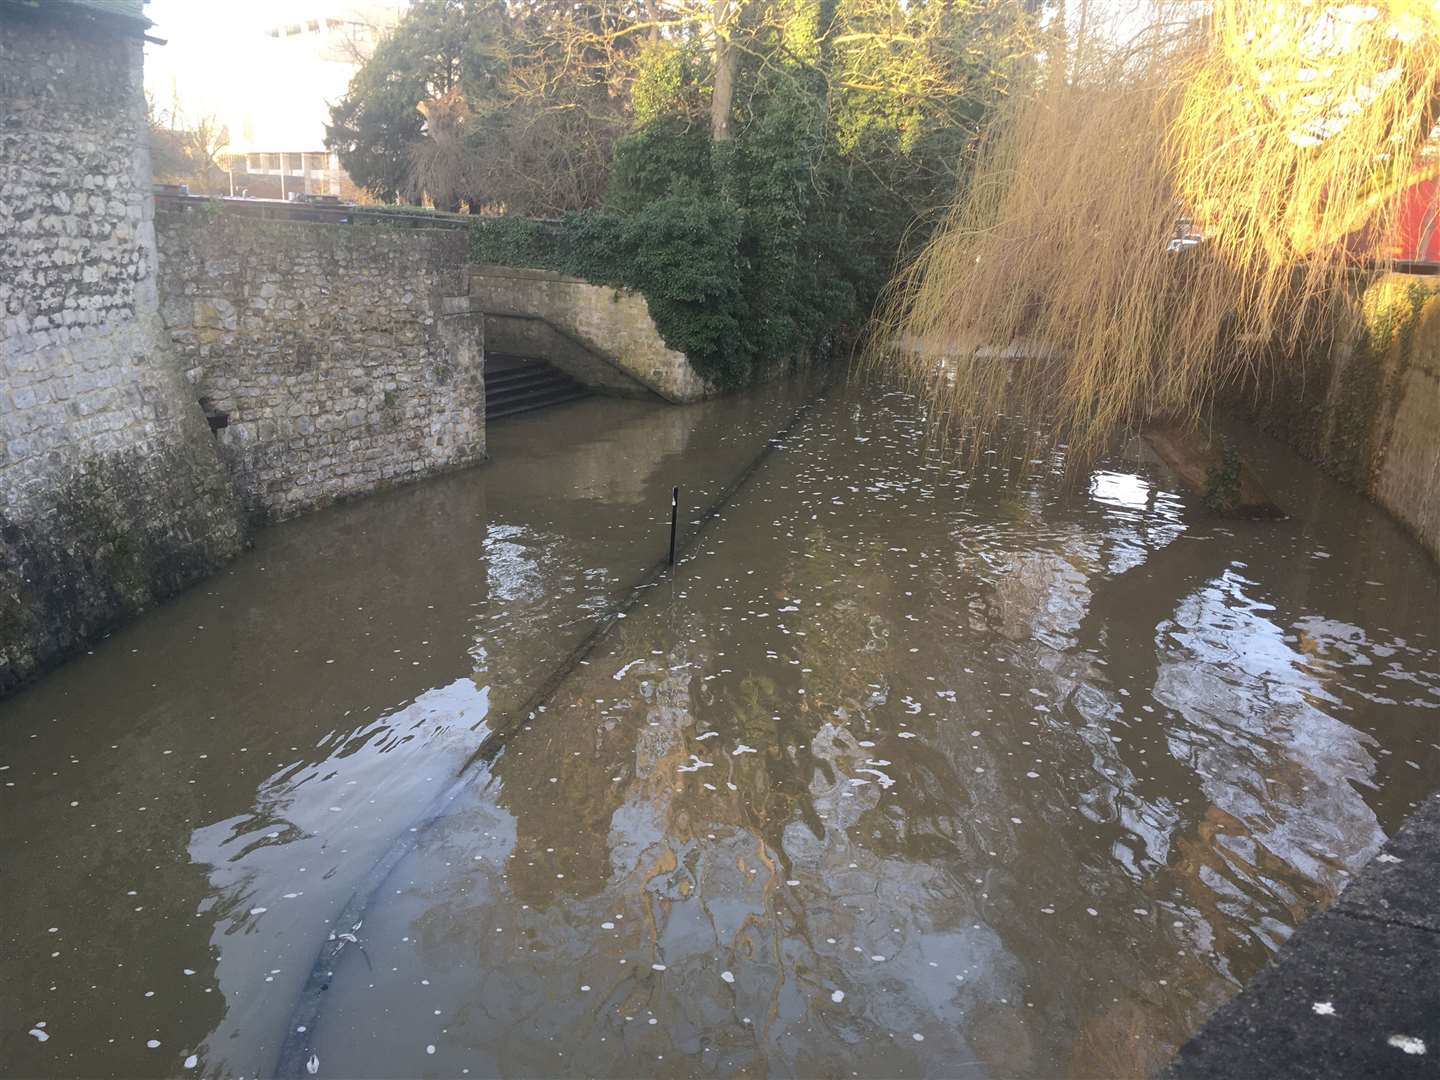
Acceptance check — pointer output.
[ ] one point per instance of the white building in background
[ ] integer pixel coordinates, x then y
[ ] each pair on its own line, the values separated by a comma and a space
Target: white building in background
270, 73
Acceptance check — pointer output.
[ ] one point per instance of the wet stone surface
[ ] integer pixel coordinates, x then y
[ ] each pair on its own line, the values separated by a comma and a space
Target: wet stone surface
906, 771
1347, 969
1353, 993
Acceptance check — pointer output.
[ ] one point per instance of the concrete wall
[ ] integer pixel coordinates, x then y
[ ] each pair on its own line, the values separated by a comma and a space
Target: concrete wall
343, 357
612, 324
111, 493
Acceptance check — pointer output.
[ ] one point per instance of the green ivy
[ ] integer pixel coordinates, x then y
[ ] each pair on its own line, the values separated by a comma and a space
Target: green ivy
768, 248
1222, 481
679, 252
753, 254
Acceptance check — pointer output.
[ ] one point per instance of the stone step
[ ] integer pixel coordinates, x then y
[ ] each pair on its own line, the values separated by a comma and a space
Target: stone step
522, 384
519, 389
537, 400
514, 380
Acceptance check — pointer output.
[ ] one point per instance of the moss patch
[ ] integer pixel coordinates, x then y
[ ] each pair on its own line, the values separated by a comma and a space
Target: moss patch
125, 531
1335, 404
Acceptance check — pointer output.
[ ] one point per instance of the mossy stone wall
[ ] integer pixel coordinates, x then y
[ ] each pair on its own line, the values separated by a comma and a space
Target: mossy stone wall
112, 496
1363, 403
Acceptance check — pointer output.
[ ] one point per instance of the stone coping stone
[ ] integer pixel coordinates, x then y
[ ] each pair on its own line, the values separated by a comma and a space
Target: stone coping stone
528, 273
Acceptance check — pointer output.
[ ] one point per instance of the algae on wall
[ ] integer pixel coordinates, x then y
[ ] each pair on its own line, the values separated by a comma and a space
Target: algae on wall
128, 530
111, 493
1362, 401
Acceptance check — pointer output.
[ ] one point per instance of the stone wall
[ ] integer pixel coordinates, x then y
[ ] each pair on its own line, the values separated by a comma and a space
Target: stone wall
1406, 480
111, 493
614, 325
1368, 411
528, 335
340, 358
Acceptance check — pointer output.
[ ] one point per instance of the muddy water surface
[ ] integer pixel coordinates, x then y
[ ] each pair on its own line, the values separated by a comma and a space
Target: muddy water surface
905, 771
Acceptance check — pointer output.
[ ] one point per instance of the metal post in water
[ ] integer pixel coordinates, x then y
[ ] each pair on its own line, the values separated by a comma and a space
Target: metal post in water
674, 520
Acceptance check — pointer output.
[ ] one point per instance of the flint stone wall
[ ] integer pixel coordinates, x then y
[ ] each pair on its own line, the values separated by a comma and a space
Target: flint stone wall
340, 358
111, 493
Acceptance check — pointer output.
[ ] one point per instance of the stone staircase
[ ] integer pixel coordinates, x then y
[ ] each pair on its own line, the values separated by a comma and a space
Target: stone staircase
519, 384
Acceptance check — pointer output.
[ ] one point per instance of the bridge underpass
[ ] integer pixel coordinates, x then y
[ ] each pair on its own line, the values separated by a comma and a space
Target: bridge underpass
520, 384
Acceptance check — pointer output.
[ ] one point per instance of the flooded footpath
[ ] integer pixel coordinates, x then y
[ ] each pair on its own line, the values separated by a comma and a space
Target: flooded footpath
905, 771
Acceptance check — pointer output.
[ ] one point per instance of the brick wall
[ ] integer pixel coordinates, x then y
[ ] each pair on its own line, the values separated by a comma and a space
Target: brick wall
1367, 410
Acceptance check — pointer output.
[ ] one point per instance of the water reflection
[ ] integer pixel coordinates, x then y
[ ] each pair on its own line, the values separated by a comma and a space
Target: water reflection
906, 772
191, 805
909, 774
315, 828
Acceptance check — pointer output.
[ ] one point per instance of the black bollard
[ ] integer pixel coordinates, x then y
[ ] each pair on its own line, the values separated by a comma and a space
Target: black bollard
674, 520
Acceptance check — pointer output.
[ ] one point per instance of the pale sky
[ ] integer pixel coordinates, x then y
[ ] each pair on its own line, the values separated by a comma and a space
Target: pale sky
218, 60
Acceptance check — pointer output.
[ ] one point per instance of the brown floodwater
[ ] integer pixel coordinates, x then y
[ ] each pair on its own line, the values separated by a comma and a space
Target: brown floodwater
906, 770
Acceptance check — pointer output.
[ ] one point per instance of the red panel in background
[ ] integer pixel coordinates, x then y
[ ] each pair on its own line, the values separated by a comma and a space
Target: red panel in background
1417, 232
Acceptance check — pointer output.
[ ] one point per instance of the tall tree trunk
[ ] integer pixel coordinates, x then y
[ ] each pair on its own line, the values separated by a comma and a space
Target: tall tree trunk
727, 63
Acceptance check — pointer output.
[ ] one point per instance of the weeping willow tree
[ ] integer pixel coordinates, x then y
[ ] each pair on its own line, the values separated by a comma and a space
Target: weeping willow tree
1162, 219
